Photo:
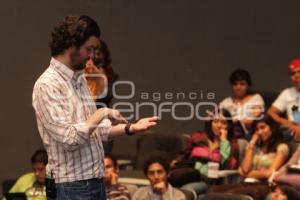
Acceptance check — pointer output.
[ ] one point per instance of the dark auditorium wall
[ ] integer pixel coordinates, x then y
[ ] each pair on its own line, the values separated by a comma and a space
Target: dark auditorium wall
171, 46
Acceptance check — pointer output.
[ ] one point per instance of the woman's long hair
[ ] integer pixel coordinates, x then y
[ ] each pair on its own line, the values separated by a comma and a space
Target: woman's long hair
276, 135
227, 117
106, 62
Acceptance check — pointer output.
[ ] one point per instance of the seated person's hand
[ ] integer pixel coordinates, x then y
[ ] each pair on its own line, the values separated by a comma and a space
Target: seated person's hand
242, 173
173, 163
160, 188
295, 129
112, 178
223, 133
255, 138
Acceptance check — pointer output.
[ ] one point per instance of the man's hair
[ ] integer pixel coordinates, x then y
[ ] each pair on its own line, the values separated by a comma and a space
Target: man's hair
156, 159
112, 158
40, 155
72, 31
240, 75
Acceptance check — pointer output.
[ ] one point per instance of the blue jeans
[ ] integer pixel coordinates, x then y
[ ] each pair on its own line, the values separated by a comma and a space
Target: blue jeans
92, 189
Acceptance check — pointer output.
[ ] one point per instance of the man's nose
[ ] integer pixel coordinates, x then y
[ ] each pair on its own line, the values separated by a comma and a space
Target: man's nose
156, 175
91, 54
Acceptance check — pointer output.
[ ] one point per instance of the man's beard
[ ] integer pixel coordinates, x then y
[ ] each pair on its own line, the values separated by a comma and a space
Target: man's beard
79, 66
77, 62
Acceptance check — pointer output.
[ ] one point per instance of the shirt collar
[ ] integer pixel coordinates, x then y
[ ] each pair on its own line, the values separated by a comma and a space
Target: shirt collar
65, 71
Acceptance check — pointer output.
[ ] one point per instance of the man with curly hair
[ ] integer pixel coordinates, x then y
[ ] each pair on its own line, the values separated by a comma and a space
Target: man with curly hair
71, 127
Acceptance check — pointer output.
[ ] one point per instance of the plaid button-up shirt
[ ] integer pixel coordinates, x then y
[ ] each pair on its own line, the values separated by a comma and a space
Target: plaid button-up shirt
62, 104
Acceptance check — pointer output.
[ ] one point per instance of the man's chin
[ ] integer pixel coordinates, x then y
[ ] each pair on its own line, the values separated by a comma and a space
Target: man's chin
297, 86
79, 67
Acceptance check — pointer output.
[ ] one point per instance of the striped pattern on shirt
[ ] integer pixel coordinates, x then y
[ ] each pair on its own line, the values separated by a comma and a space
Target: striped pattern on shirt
62, 104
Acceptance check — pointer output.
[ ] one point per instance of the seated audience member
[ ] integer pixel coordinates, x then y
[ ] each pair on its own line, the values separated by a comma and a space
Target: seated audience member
33, 184
211, 146
244, 105
156, 169
288, 102
287, 183
114, 191
264, 155
284, 193
284, 176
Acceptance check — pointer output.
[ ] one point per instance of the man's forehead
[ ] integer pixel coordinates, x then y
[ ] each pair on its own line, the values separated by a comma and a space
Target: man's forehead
155, 167
93, 42
38, 165
294, 71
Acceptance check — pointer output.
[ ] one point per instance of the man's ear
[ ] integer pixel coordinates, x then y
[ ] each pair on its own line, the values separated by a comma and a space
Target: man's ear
70, 50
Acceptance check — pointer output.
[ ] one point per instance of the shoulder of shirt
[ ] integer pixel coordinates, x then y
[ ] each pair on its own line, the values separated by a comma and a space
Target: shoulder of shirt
141, 192
227, 100
291, 91
29, 175
178, 194
257, 95
22, 181
143, 189
282, 145
49, 77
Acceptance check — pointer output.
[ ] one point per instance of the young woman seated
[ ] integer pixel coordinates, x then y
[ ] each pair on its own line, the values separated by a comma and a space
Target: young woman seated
265, 154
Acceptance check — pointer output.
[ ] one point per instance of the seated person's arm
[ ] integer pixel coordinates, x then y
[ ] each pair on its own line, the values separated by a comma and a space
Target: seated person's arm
280, 158
293, 160
246, 165
275, 114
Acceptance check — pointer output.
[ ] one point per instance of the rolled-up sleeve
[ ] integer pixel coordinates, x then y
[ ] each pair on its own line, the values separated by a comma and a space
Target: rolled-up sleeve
56, 111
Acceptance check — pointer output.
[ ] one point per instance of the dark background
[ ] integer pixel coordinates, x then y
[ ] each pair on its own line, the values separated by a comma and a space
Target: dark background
162, 46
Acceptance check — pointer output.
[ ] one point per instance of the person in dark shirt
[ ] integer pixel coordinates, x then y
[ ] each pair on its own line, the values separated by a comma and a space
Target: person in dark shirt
114, 191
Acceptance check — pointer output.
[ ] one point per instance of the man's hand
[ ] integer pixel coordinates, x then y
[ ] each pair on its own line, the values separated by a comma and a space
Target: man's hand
114, 115
295, 129
160, 188
143, 124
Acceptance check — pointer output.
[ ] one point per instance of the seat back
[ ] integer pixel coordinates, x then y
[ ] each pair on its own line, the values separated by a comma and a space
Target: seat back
166, 145
189, 194
7, 185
